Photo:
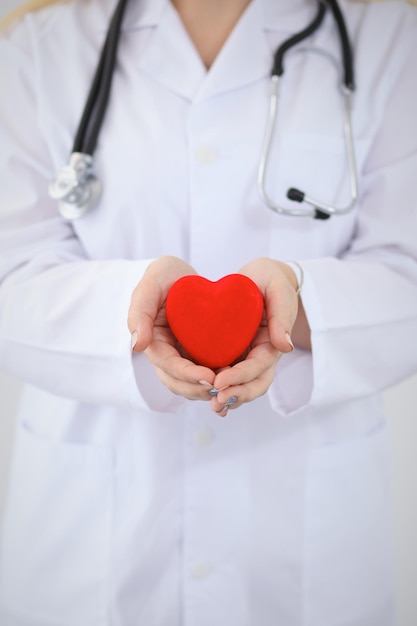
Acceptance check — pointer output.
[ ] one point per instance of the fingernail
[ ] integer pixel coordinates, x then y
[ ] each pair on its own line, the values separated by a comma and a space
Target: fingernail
134, 340
288, 338
213, 392
231, 401
205, 383
228, 404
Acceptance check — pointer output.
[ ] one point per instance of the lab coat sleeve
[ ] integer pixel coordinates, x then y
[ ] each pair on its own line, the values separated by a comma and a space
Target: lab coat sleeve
362, 306
63, 317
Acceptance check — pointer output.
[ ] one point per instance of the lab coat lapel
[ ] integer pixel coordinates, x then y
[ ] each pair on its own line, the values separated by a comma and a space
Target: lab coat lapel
138, 14
245, 57
171, 58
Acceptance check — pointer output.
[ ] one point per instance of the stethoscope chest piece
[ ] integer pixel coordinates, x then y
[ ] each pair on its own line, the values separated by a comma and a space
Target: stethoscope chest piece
76, 187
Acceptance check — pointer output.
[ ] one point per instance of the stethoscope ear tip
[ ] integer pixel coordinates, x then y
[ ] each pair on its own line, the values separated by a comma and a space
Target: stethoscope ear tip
299, 196
321, 215
295, 194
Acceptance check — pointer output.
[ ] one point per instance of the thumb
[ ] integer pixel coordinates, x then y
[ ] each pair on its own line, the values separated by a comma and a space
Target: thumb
142, 335
278, 284
281, 312
146, 302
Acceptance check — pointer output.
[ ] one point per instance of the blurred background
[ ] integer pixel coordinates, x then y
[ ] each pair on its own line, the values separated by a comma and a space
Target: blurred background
401, 409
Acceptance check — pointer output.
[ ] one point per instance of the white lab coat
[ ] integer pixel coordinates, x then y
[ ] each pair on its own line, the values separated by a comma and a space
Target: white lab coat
130, 506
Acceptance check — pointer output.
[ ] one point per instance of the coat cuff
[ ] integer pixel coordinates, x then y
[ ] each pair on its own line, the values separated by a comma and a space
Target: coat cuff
361, 314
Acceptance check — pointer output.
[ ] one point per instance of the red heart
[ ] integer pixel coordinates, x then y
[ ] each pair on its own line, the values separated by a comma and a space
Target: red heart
214, 321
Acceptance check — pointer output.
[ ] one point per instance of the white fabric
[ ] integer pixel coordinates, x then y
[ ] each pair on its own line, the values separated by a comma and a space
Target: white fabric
129, 505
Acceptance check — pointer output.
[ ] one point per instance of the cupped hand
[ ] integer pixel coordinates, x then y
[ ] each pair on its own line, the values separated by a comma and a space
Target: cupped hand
251, 377
151, 334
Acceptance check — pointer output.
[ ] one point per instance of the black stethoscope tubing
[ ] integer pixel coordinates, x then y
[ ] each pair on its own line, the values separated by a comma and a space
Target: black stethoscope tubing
278, 65
98, 97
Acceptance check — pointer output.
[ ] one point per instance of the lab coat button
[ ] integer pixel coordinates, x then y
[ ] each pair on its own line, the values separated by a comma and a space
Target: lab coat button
203, 438
206, 154
200, 570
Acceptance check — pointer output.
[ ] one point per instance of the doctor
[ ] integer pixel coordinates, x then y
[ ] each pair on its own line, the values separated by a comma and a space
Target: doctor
131, 502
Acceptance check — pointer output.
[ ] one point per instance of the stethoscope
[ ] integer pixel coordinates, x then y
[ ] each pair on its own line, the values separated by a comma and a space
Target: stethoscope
77, 188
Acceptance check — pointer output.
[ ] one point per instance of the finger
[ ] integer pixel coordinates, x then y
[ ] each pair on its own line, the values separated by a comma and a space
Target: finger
189, 390
280, 327
278, 284
167, 359
281, 317
149, 295
260, 358
233, 397
222, 408
146, 302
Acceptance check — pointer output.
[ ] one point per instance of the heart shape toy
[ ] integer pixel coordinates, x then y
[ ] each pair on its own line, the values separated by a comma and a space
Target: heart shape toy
214, 321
